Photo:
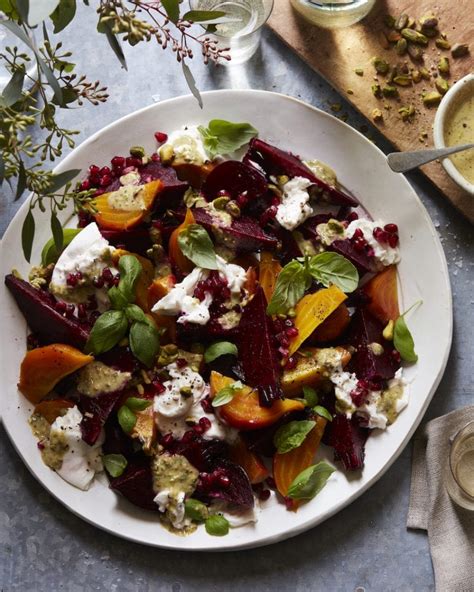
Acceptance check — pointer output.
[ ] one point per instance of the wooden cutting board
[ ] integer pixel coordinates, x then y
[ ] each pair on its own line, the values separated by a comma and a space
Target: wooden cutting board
335, 54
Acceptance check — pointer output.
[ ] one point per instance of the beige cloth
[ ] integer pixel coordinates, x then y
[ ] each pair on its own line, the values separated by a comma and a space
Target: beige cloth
450, 528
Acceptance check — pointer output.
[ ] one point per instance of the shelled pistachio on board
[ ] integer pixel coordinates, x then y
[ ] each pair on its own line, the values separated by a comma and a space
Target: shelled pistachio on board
408, 37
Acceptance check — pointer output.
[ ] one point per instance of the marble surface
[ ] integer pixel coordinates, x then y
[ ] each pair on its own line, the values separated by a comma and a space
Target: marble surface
366, 547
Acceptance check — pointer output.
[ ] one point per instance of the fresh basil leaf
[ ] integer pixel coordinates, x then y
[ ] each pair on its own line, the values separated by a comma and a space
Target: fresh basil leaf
135, 313
322, 411
226, 394
115, 464
332, 268
310, 481
27, 235
403, 341
199, 16
117, 299
310, 396
130, 269
59, 180
63, 15
221, 348
217, 525
57, 231
137, 404
21, 181
107, 331
13, 90
292, 435
196, 245
172, 9
126, 418
289, 289
50, 254
191, 82
144, 342
225, 137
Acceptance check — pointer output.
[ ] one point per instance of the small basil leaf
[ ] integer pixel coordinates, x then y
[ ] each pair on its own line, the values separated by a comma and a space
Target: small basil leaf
117, 299
196, 245
403, 341
226, 394
195, 510
332, 268
130, 269
225, 137
137, 404
107, 331
135, 313
144, 342
126, 419
115, 464
292, 435
57, 231
322, 411
27, 235
63, 15
221, 348
217, 525
49, 254
310, 481
289, 288
310, 396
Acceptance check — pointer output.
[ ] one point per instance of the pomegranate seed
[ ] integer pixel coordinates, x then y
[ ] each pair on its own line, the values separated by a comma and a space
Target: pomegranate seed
70, 308
359, 396
376, 232
292, 332
167, 440
99, 192
370, 252
224, 481
359, 244
133, 161
147, 179
98, 282
94, 179
40, 445
161, 137
181, 362
94, 169
363, 384
276, 201
264, 495
188, 436
155, 157
198, 429
242, 200
393, 240
396, 355
105, 180
352, 216
116, 280
118, 161
107, 275
84, 219
206, 480
71, 279
358, 233
283, 352
291, 363
60, 306
85, 185
81, 311
270, 481
205, 423
391, 228
130, 169
207, 405
105, 170
289, 503
158, 387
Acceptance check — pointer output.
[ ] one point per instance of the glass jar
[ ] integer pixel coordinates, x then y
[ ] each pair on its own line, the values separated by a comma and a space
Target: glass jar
333, 14
460, 468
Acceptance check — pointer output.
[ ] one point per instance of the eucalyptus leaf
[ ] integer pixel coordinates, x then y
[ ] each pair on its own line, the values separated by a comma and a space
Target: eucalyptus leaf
60, 179
40, 10
130, 269
115, 464
332, 268
226, 394
27, 235
289, 289
225, 137
50, 254
23, 7
13, 90
190, 81
310, 481
57, 231
114, 43
63, 15
144, 342
172, 9
403, 341
107, 331
221, 348
21, 181
199, 16
196, 245
292, 435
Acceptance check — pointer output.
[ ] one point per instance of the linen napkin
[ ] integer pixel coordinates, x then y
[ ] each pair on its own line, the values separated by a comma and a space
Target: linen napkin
450, 528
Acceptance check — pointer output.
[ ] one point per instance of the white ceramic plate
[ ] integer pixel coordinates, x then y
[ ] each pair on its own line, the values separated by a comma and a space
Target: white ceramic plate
362, 168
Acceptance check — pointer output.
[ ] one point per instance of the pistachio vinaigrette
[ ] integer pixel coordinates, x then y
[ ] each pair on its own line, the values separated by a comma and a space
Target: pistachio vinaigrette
209, 322
458, 130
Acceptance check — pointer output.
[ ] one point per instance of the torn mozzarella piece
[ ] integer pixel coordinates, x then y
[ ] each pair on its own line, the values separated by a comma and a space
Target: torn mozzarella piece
383, 253
295, 205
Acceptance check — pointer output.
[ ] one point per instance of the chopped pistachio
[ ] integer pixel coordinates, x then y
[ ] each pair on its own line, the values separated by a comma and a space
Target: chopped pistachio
393, 36
390, 91
416, 76
407, 112
377, 115
425, 74
376, 348
429, 21
443, 65
166, 153
376, 90
349, 91
414, 52
336, 107
415, 36
402, 80
430, 32
233, 209
411, 23
431, 99
186, 391
459, 50
401, 46
442, 43
442, 85
282, 179
359, 71
401, 22
388, 331
220, 202
137, 151
380, 65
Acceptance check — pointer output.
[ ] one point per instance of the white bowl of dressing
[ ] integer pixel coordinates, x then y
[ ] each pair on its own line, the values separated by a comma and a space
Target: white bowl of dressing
454, 125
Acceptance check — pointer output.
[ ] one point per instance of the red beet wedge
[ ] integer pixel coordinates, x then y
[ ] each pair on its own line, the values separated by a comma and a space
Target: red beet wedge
359, 259
278, 162
135, 240
95, 412
237, 180
257, 350
348, 440
136, 485
49, 325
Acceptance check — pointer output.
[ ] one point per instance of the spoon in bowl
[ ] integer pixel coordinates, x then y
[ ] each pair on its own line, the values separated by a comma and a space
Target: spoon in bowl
401, 162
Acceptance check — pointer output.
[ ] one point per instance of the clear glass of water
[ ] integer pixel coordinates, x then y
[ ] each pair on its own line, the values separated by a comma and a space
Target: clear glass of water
460, 470
241, 27
332, 14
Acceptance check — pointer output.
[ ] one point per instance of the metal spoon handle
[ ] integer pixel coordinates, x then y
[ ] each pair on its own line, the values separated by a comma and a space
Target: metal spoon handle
401, 162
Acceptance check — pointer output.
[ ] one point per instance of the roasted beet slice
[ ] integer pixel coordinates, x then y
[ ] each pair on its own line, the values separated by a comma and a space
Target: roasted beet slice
360, 259
136, 485
135, 240
48, 325
258, 351
278, 162
289, 249
120, 358
308, 228
348, 439
364, 331
203, 454
237, 180
95, 411
237, 489
243, 235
